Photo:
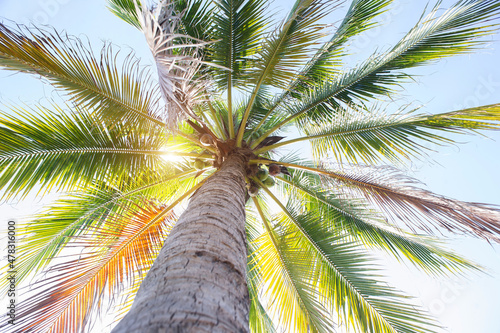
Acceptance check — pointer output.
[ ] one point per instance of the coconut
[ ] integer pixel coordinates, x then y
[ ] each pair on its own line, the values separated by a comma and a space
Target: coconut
262, 174
269, 182
253, 190
199, 164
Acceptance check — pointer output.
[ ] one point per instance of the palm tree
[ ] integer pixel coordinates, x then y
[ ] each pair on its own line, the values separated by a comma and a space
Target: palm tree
268, 241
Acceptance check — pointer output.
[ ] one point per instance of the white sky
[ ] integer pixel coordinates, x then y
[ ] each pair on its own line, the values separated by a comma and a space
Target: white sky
467, 172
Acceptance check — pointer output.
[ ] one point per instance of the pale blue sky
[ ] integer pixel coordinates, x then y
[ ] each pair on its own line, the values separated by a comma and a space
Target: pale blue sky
467, 172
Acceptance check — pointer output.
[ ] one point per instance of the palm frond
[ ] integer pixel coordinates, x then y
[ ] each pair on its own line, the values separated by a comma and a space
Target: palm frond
354, 220
285, 49
324, 64
347, 279
397, 196
259, 320
294, 301
197, 18
125, 9
239, 25
260, 108
49, 232
124, 303
456, 31
340, 275
124, 94
113, 254
178, 60
371, 135
358, 19
66, 150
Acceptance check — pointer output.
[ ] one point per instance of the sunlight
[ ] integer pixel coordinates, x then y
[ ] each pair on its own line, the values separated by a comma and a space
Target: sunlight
172, 157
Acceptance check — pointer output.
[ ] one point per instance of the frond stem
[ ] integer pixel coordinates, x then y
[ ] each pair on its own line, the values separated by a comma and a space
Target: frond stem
230, 106
314, 170
324, 135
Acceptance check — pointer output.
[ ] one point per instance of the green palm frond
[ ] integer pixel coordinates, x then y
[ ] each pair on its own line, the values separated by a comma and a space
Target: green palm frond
124, 94
259, 110
360, 135
61, 150
325, 62
357, 20
355, 221
287, 48
456, 31
371, 136
321, 261
348, 280
126, 10
281, 56
206, 112
239, 25
259, 321
217, 111
197, 18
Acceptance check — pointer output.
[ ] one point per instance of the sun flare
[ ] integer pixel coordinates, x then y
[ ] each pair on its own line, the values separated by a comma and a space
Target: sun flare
172, 157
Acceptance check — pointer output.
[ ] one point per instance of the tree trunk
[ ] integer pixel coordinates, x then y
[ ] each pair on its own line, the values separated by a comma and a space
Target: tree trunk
198, 281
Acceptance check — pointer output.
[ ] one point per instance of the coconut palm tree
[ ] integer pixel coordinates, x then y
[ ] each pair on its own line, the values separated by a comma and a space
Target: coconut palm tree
268, 241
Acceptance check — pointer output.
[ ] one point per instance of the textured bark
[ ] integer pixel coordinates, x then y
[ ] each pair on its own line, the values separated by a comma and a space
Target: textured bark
198, 281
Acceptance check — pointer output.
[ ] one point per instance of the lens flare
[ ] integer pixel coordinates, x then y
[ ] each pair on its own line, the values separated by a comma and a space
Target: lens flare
171, 157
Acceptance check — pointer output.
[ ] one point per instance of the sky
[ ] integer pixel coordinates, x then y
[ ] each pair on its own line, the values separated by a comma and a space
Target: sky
467, 172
